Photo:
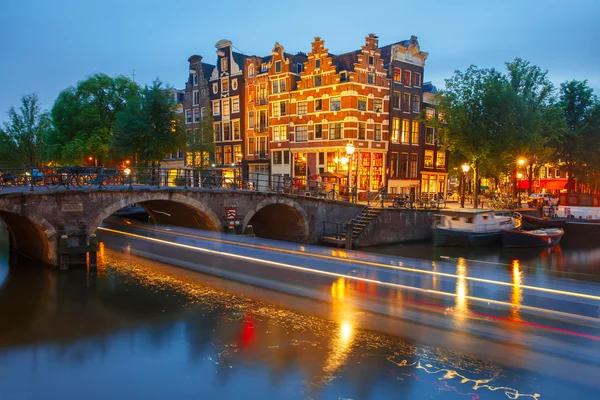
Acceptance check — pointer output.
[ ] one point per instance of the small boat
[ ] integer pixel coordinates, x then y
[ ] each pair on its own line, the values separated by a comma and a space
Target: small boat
583, 228
471, 227
545, 221
531, 238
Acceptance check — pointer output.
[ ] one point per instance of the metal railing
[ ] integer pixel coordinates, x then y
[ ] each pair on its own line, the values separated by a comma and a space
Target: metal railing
118, 178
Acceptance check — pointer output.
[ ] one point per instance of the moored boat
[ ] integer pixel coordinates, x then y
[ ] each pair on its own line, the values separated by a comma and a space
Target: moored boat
531, 238
545, 222
470, 227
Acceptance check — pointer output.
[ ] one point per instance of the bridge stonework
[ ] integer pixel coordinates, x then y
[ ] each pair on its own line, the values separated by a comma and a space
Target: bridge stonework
37, 219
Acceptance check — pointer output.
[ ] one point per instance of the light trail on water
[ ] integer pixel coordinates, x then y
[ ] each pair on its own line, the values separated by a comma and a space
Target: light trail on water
460, 295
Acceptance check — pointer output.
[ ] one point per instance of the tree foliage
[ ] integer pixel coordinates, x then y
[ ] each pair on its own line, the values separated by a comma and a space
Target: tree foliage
200, 142
579, 145
84, 118
149, 128
477, 105
22, 138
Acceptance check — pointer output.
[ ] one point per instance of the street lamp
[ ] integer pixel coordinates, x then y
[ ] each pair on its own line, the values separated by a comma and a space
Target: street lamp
519, 177
349, 151
465, 167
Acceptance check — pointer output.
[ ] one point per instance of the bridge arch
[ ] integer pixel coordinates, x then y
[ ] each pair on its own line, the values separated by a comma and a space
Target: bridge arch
279, 218
192, 210
31, 235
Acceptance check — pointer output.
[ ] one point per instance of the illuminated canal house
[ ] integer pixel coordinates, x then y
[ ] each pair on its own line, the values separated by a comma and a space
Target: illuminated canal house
339, 100
228, 108
434, 174
405, 63
196, 103
270, 81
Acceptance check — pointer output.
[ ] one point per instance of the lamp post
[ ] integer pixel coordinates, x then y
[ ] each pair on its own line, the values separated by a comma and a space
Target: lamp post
519, 177
465, 167
349, 151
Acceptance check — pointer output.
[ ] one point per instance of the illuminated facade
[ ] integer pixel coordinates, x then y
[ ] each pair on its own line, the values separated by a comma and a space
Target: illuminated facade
228, 108
434, 173
196, 102
405, 63
339, 100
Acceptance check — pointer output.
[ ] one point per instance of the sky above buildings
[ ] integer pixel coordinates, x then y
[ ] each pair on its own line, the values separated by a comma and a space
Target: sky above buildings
47, 46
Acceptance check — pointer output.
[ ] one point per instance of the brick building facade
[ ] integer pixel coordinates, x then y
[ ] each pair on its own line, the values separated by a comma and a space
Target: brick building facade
294, 115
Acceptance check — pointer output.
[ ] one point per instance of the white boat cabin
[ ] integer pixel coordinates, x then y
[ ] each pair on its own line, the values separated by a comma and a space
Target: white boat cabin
474, 220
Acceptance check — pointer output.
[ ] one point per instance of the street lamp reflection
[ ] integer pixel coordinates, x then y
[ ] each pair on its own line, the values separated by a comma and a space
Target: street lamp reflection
517, 292
341, 341
460, 303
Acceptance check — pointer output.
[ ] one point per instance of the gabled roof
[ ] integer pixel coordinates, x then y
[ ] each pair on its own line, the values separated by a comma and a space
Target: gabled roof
386, 51
428, 87
239, 58
207, 70
345, 62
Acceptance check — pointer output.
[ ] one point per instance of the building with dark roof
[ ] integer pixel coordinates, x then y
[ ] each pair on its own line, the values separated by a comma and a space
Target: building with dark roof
227, 94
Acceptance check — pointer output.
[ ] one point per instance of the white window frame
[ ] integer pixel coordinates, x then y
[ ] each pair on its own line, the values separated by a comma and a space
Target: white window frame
216, 108
235, 104
301, 133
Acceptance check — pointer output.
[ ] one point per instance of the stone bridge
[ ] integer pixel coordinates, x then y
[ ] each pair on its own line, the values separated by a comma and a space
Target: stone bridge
37, 219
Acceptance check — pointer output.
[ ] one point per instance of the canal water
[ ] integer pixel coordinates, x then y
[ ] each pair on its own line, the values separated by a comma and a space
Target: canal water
141, 329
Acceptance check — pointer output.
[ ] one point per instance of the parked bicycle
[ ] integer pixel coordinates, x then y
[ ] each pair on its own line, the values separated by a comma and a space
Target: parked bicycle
212, 181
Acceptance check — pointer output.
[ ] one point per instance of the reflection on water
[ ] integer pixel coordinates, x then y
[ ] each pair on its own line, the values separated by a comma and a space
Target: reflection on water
141, 329
461, 307
517, 293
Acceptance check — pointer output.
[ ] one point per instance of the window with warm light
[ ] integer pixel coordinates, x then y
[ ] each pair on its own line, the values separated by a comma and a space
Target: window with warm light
279, 133
396, 130
397, 75
225, 85
217, 131
405, 130
216, 107
429, 113
235, 104
362, 130
441, 159
430, 135
415, 133
428, 159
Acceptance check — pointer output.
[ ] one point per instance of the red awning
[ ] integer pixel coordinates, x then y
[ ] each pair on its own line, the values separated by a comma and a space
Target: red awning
548, 184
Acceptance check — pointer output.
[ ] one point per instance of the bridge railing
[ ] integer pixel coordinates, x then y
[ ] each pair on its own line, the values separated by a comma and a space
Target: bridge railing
105, 177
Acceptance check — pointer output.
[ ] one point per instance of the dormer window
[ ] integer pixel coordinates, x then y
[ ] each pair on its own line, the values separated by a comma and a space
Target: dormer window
343, 76
299, 68
250, 71
263, 67
223, 64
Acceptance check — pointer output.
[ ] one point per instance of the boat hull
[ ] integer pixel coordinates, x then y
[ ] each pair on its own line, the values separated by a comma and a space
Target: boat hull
447, 237
519, 238
583, 229
545, 222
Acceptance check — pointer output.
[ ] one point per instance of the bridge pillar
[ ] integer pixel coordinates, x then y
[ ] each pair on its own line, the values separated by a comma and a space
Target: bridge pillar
74, 247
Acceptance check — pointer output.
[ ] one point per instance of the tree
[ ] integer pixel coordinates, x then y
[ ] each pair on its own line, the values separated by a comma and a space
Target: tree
149, 128
22, 138
84, 117
537, 120
578, 145
200, 143
478, 109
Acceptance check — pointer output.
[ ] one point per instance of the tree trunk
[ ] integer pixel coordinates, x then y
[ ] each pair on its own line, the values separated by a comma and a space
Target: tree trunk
476, 180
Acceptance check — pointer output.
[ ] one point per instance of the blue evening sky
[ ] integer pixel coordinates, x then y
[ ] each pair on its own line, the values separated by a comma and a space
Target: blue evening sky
48, 45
